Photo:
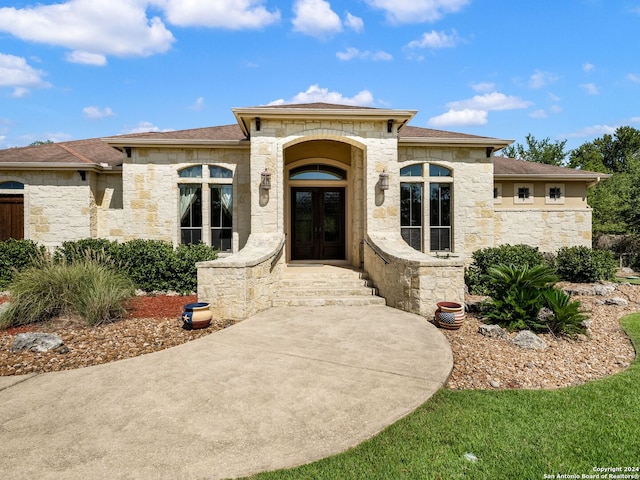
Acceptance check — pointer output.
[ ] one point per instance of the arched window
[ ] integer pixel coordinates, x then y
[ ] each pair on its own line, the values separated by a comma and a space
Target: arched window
191, 172
414, 214
11, 186
317, 172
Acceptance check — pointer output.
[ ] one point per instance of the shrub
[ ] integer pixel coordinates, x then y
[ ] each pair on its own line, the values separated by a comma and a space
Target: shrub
185, 273
16, 255
518, 295
568, 317
94, 247
89, 288
476, 276
584, 265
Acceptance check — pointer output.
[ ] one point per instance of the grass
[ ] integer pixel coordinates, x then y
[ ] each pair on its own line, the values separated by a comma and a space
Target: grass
522, 434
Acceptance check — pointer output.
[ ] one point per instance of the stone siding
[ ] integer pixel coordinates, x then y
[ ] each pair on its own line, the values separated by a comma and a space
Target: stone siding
548, 229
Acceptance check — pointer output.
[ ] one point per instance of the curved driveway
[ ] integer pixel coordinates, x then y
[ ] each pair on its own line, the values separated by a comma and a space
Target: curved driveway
288, 386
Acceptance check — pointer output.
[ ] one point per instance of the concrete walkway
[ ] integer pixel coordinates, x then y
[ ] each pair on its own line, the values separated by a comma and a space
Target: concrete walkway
286, 387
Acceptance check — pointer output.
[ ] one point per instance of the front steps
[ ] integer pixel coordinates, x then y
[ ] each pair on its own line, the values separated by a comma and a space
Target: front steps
322, 285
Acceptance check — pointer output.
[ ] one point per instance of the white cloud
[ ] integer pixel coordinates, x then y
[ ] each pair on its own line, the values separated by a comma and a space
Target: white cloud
90, 28
315, 94
555, 108
539, 114
86, 58
315, 18
483, 86
466, 117
353, 53
490, 101
96, 113
633, 77
589, 88
435, 40
593, 131
541, 79
145, 126
416, 11
229, 14
16, 73
588, 67
354, 23
198, 104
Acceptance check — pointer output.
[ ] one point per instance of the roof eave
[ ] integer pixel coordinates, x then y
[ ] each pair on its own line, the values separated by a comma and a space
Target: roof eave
295, 113
496, 143
536, 176
95, 167
119, 142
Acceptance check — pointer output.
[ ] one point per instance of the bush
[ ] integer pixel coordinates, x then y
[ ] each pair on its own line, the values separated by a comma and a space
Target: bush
584, 265
16, 255
476, 276
568, 317
89, 288
518, 295
152, 265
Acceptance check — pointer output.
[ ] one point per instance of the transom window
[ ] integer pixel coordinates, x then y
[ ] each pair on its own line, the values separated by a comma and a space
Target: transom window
317, 172
11, 186
438, 213
206, 206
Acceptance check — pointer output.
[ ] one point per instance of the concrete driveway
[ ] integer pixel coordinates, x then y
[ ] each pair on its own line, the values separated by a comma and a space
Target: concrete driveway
286, 387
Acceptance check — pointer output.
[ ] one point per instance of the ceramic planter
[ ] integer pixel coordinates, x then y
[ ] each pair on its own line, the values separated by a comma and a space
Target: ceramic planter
449, 315
196, 315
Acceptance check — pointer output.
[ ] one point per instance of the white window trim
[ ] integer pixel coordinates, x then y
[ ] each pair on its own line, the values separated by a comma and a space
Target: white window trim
522, 201
547, 196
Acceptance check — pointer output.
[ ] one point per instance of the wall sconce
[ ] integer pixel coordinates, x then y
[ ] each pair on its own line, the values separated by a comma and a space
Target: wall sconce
384, 181
258, 124
390, 125
83, 175
265, 180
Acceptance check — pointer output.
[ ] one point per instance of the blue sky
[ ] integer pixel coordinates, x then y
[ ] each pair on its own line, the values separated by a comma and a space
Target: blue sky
563, 69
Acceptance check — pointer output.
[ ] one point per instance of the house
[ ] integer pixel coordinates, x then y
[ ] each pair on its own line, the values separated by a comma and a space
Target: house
300, 183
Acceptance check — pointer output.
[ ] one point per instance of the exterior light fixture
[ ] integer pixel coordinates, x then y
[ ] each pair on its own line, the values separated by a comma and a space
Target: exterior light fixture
258, 124
265, 180
384, 181
390, 125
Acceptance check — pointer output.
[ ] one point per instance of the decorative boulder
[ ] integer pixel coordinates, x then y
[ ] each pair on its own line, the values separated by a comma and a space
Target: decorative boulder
492, 331
604, 290
38, 342
621, 302
528, 339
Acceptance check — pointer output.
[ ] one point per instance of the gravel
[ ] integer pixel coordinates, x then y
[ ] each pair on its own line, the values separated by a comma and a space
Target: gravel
479, 362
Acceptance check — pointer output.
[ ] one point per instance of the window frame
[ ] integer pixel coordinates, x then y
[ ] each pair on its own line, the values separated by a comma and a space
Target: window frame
529, 199
549, 199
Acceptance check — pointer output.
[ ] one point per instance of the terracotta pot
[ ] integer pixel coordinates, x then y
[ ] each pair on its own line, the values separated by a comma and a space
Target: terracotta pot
196, 315
449, 315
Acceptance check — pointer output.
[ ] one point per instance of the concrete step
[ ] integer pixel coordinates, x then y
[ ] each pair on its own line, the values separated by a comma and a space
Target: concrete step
325, 290
343, 301
297, 282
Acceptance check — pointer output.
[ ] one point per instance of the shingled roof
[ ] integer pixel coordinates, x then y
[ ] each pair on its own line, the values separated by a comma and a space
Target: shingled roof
510, 168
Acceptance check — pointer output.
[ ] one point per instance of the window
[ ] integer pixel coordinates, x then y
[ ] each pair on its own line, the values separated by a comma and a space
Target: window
11, 186
206, 206
317, 172
497, 193
555, 193
438, 214
411, 214
190, 214
523, 193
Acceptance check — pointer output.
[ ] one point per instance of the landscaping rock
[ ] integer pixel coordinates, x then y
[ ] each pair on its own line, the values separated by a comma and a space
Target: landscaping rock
475, 306
596, 290
528, 339
38, 342
604, 290
492, 331
621, 302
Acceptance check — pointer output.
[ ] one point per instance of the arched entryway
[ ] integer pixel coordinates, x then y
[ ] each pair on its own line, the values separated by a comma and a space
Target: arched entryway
319, 187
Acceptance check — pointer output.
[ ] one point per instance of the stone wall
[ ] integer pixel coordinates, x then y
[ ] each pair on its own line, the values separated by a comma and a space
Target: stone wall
548, 229
59, 206
410, 280
243, 284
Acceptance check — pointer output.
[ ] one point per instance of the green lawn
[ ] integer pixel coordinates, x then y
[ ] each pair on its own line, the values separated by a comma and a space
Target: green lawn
515, 434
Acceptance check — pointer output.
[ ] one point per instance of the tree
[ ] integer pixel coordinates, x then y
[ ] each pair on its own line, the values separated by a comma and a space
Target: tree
539, 151
615, 200
40, 142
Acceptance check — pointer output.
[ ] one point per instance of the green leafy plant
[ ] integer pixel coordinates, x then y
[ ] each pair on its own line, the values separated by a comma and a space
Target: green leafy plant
16, 255
568, 317
89, 288
476, 276
517, 295
585, 265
